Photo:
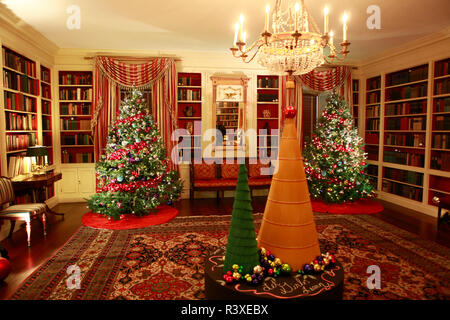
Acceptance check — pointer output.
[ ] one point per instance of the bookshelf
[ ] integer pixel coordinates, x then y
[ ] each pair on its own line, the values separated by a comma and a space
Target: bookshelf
75, 112
46, 112
268, 114
440, 135
189, 98
372, 120
20, 110
403, 183
355, 107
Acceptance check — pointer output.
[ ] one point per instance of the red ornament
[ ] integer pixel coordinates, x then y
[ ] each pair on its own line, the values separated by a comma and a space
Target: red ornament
290, 112
5, 268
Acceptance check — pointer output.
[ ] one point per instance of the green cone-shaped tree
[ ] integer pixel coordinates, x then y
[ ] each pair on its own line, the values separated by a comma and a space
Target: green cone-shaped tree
134, 176
242, 246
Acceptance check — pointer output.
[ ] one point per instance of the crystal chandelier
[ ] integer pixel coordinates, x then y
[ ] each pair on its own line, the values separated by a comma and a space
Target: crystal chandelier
291, 42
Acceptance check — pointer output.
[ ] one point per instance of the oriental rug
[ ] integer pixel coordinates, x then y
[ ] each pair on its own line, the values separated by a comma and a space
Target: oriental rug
166, 261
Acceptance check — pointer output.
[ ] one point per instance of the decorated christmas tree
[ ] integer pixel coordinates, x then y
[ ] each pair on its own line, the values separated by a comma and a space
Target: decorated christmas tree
335, 159
241, 247
133, 176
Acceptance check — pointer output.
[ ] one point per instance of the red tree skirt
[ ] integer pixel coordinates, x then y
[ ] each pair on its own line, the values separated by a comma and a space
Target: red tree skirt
98, 221
362, 206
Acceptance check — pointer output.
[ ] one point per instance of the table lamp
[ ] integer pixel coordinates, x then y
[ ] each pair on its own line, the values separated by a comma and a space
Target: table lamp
39, 152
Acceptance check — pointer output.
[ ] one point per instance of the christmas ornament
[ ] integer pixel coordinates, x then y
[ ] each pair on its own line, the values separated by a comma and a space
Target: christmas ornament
5, 268
290, 112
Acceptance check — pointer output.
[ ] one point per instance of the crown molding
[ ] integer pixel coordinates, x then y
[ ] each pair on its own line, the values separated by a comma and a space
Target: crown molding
12, 27
420, 43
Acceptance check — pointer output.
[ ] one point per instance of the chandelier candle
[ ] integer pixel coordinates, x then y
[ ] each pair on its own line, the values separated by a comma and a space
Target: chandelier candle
296, 45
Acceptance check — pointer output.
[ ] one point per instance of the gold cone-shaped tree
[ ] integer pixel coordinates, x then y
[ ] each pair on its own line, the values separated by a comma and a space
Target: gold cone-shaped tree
288, 229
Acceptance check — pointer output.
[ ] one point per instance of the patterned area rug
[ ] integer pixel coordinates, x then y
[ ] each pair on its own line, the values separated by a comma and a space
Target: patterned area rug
166, 261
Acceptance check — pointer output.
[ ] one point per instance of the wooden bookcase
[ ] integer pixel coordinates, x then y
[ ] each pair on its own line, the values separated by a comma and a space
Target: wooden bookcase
75, 112
372, 113
47, 112
440, 136
355, 107
405, 127
268, 114
189, 98
20, 95
439, 181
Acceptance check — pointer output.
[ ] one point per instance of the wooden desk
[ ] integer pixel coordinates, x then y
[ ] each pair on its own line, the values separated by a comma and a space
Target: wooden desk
36, 185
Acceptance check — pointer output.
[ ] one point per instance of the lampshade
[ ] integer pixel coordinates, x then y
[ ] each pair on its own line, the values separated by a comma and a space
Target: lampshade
37, 151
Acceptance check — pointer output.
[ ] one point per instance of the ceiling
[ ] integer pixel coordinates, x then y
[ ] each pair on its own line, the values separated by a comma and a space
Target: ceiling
207, 25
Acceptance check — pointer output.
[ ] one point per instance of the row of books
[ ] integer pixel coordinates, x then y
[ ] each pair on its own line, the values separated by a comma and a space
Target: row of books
267, 97
405, 76
374, 83
407, 140
46, 91
267, 82
75, 109
440, 161
407, 92
373, 124
20, 121
355, 98
227, 117
416, 123
442, 68
404, 176
442, 122
405, 158
45, 74
406, 108
75, 94
18, 164
19, 82
189, 81
355, 85
373, 97
46, 107
441, 141
46, 123
372, 152
76, 139
373, 111
402, 190
189, 94
79, 157
47, 139
20, 141
442, 86
14, 61
372, 170
69, 124
226, 124
442, 105
372, 138
75, 79
19, 102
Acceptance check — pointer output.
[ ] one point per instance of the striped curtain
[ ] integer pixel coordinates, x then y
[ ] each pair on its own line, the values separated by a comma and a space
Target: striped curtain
113, 74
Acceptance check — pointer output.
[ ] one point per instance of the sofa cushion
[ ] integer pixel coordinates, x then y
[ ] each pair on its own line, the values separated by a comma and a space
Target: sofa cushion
214, 183
230, 171
255, 170
204, 171
259, 181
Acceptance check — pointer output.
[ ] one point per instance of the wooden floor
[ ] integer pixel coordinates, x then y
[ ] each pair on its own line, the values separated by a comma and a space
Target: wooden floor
25, 260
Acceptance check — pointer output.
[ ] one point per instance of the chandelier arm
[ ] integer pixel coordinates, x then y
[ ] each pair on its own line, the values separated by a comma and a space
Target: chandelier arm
254, 55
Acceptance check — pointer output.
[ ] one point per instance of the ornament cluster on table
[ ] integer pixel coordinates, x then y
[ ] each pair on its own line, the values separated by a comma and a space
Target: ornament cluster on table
270, 266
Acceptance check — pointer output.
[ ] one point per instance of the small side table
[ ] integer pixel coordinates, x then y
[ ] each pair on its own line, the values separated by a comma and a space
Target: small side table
37, 185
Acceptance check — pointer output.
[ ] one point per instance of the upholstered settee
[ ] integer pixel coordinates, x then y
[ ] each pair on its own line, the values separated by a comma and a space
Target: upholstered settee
220, 177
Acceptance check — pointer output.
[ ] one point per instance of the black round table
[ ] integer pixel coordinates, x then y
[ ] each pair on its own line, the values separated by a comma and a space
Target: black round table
327, 285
